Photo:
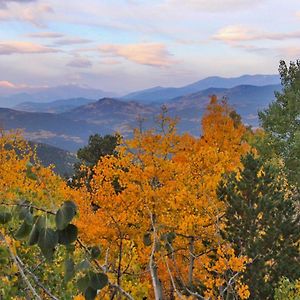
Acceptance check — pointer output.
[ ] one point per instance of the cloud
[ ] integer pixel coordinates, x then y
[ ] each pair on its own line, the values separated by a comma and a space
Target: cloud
46, 35
214, 5
3, 3
237, 33
151, 54
19, 1
31, 14
7, 84
80, 63
71, 41
289, 52
13, 47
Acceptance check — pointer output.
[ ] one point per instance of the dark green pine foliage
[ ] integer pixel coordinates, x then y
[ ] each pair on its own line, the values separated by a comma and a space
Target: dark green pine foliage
262, 224
89, 155
281, 120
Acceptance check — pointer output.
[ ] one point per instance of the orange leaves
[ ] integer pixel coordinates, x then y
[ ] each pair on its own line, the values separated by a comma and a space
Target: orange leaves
22, 177
174, 178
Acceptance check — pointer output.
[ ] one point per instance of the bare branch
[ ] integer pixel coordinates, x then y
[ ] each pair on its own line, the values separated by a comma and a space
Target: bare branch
25, 279
36, 280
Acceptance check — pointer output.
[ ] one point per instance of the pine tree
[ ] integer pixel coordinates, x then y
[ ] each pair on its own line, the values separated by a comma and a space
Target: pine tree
261, 222
281, 120
89, 155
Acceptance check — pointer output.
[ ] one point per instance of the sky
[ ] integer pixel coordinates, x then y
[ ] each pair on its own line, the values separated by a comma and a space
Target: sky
126, 45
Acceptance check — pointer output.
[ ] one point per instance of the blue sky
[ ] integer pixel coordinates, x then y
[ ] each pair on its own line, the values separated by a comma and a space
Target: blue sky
125, 45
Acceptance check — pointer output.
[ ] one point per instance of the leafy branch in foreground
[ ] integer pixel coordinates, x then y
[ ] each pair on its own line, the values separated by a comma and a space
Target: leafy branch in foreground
48, 231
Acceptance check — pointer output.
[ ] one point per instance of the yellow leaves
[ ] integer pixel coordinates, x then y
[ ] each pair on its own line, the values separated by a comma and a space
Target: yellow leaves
260, 215
21, 176
173, 177
243, 292
79, 297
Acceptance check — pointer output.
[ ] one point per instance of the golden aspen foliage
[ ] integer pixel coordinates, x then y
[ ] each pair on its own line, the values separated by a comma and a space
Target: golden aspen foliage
22, 177
157, 198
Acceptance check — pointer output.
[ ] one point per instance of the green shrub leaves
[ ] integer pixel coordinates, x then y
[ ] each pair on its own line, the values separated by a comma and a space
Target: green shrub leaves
65, 215
68, 235
49, 230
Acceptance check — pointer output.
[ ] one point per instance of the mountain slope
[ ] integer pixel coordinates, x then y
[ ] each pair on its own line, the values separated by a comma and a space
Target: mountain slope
247, 100
160, 95
52, 129
111, 113
57, 106
62, 160
48, 94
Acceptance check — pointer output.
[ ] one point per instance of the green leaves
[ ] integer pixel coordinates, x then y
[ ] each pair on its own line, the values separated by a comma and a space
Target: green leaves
83, 265
65, 215
40, 222
48, 239
4, 256
67, 235
5, 216
98, 280
49, 230
69, 269
23, 231
91, 283
83, 284
95, 252
90, 294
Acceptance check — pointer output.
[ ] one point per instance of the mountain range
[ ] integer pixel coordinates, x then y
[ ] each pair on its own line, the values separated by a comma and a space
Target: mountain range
68, 123
57, 106
161, 94
14, 96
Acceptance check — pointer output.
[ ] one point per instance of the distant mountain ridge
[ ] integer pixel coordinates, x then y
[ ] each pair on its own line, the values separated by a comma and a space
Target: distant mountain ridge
57, 106
247, 100
115, 114
49, 94
160, 94
52, 129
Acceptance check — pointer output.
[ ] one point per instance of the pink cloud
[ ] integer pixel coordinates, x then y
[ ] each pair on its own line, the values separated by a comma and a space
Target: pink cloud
151, 54
7, 84
237, 33
14, 47
32, 13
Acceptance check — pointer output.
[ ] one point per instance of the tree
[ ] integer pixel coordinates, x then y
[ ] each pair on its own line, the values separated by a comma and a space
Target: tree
163, 226
89, 155
281, 121
261, 223
37, 236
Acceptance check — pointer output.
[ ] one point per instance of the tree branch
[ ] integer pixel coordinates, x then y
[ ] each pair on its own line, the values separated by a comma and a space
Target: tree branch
25, 279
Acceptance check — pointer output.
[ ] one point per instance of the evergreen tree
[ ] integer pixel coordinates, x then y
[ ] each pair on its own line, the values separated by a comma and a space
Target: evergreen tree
89, 155
262, 223
281, 120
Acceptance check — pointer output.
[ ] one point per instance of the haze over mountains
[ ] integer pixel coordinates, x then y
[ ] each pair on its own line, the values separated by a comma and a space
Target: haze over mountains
160, 94
10, 97
57, 106
68, 123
